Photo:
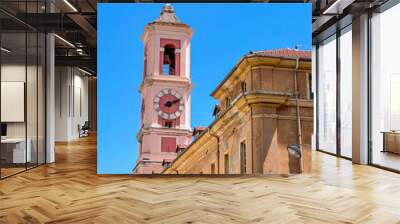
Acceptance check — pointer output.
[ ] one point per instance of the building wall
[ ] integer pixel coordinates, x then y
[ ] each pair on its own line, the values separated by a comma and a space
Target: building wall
276, 132
267, 133
266, 125
201, 161
17, 73
71, 102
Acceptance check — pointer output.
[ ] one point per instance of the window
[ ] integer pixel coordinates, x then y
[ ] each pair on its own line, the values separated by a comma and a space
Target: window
227, 102
327, 95
243, 157
169, 60
216, 110
334, 99
166, 69
213, 168
385, 89
226, 163
310, 91
168, 124
243, 86
346, 74
166, 164
168, 144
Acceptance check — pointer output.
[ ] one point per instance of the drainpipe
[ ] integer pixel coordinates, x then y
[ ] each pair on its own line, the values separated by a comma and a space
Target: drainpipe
251, 134
299, 135
215, 136
297, 103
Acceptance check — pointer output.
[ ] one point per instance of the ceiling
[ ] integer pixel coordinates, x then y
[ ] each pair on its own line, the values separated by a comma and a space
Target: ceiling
332, 15
73, 21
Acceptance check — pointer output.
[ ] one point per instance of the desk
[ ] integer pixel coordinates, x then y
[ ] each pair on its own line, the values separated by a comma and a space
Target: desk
391, 141
13, 150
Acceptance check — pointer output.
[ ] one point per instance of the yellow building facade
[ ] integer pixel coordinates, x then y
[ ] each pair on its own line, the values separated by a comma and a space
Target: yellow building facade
265, 107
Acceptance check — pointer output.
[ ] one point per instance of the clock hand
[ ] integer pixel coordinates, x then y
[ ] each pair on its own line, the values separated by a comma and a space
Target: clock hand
169, 103
175, 101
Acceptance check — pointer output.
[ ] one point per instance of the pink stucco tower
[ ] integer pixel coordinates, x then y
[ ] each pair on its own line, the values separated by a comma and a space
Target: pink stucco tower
166, 87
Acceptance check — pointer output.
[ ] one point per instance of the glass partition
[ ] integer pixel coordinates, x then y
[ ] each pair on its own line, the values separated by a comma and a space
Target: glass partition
22, 89
385, 89
346, 92
14, 153
327, 95
31, 100
41, 107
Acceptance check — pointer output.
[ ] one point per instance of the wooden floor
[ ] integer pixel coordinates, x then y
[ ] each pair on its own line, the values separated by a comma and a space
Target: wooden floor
5, 172
69, 191
387, 159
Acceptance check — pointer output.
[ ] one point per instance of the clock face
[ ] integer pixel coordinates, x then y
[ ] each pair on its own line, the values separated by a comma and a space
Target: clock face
169, 104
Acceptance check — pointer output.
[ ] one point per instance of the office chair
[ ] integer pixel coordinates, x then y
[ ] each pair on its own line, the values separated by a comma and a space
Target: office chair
84, 130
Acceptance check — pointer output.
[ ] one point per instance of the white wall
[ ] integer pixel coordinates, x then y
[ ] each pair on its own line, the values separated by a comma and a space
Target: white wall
17, 73
12, 73
33, 126
71, 102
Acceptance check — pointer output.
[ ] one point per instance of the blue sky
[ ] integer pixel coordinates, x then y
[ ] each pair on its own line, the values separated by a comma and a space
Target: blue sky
222, 34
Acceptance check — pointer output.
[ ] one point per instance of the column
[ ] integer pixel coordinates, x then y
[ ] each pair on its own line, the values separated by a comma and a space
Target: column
161, 61
50, 91
360, 90
50, 98
177, 62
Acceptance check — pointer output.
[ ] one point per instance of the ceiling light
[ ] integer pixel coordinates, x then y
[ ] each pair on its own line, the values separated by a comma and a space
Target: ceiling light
337, 7
5, 50
70, 5
84, 71
332, 7
64, 40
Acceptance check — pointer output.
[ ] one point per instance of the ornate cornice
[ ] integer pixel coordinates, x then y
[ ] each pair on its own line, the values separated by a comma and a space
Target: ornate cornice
248, 63
168, 80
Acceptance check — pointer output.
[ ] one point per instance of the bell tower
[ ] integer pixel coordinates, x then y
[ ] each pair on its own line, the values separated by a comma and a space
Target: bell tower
165, 91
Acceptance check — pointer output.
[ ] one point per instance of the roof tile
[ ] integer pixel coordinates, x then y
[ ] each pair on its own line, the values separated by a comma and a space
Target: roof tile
284, 53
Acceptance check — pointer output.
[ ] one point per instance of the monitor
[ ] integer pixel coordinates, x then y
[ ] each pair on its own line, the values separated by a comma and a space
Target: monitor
3, 129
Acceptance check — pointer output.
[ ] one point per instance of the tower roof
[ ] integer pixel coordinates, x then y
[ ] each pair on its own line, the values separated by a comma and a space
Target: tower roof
168, 16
